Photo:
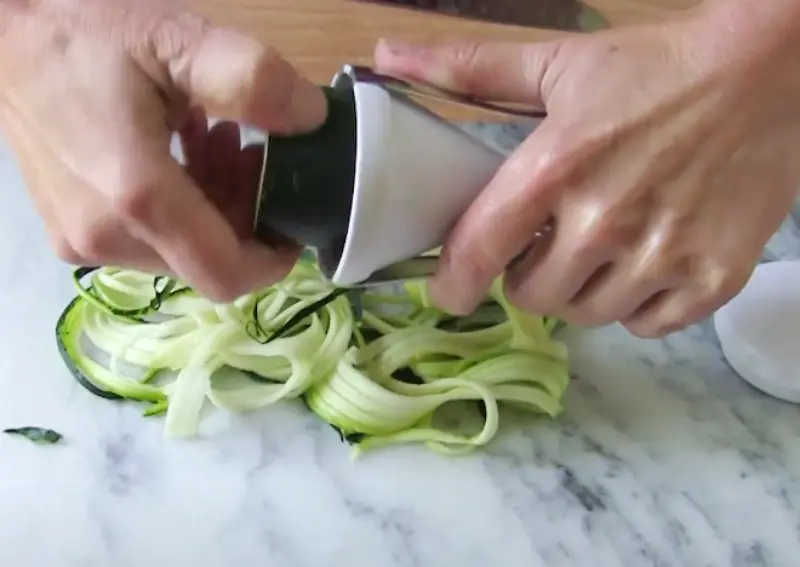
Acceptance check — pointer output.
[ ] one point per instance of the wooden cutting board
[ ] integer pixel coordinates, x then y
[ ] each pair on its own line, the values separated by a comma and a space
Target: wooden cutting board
319, 36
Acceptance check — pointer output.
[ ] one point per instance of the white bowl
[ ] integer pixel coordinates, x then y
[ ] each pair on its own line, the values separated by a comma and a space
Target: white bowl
759, 330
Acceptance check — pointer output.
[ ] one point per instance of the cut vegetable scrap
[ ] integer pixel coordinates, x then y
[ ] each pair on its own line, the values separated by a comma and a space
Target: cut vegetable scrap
38, 435
374, 364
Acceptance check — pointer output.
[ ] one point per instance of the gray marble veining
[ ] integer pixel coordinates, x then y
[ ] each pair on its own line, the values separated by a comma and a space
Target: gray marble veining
663, 458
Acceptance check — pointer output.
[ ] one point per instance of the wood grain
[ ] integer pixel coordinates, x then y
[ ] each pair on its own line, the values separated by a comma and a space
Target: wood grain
319, 36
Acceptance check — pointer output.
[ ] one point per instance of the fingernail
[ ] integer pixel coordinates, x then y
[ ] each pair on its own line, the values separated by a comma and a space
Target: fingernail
309, 107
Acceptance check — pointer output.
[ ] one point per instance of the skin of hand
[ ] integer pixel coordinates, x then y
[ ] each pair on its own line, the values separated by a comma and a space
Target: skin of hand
667, 160
90, 94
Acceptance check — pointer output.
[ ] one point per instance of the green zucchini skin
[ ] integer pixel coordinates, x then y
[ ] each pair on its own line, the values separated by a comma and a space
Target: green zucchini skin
67, 340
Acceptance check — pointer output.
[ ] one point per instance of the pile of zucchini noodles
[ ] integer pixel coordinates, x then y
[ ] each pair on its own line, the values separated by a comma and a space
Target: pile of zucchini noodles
374, 364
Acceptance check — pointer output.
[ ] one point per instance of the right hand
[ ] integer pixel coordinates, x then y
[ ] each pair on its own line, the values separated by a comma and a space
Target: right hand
90, 93
664, 165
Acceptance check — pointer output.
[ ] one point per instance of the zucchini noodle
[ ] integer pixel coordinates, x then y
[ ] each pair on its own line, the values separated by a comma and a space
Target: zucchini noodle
375, 364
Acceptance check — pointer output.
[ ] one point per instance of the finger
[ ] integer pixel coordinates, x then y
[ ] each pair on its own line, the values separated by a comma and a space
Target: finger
700, 295
511, 72
232, 183
36, 184
666, 312
245, 179
25, 148
99, 239
611, 295
108, 249
250, 162
40, 189
223, 145
194, 238
48, 213
546, 282
497, 227
95, 239
235, 77
193, 133
653, 268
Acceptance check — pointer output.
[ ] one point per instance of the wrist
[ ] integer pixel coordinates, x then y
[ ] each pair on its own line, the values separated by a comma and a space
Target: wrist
755, 29
744, 44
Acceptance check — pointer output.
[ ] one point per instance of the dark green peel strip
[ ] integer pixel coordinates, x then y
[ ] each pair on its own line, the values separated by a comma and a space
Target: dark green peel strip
487, 315
354, 296
90, 296
352, 438
38, 435
64, 340
160, 294
349, 438
163, 293
253, 328
81, 273
68, 334
307, 312
259, 378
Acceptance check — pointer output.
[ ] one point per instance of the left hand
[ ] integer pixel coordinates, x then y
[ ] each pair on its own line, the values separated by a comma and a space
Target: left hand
91, 92
668, 158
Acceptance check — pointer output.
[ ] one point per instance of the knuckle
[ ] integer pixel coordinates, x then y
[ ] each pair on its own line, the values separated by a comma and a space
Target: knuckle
263, 58
65, 251
599, 235
723, 287
659, 271
175, 35
609, 231
462, 58
91, 242
552, 168
533, 298
711, 299
546, 172
716, 288
528, 295
129, 185
661, 257
472, 260
262, 63
135, 199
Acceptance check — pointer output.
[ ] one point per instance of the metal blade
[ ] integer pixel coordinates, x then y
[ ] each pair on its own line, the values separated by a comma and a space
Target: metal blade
562, 15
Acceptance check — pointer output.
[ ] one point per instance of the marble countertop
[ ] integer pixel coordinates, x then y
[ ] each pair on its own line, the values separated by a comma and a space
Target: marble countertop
662, 458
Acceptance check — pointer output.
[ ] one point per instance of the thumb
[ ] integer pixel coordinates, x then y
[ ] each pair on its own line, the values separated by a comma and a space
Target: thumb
236, 77
502, 72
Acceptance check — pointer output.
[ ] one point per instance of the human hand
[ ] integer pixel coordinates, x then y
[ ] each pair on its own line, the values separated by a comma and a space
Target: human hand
90, 92
666, 162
